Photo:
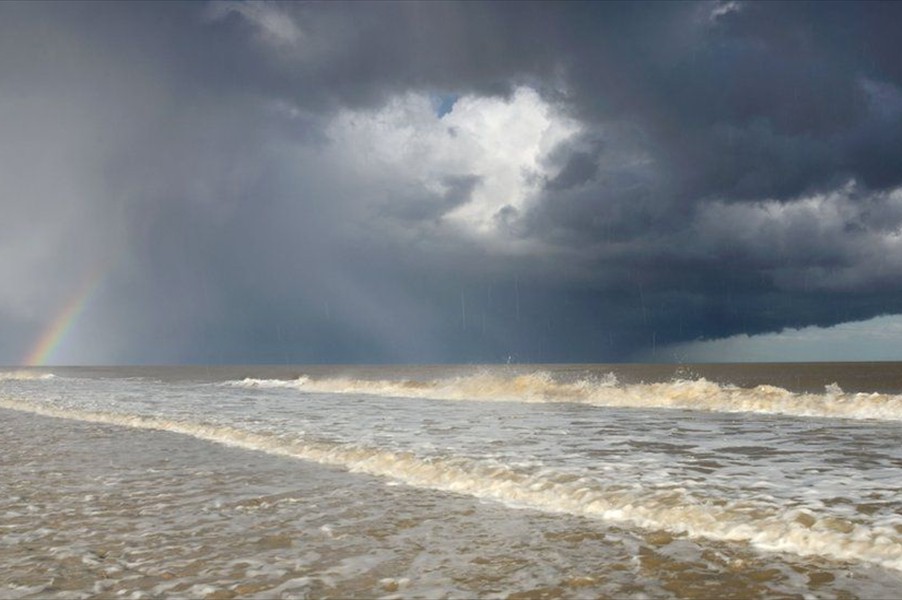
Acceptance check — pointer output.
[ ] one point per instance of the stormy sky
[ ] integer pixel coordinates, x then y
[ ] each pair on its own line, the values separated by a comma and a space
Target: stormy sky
450, 182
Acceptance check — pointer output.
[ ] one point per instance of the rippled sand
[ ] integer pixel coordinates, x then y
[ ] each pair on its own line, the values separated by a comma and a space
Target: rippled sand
93, 509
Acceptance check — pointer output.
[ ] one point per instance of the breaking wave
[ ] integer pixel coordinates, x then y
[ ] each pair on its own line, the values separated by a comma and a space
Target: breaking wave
23, 375
764, 525
696, 394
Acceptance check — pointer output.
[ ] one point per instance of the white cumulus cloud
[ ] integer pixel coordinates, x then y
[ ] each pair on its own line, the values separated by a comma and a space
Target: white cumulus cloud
501, 146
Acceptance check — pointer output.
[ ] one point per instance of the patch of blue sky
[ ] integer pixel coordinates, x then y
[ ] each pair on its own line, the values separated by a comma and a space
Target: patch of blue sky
443, 103
877, 339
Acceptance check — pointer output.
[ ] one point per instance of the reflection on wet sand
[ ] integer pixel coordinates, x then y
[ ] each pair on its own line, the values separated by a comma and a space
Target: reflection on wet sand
94, 509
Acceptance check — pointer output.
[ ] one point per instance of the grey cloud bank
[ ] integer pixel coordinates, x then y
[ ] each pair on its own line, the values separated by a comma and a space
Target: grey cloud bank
433, 182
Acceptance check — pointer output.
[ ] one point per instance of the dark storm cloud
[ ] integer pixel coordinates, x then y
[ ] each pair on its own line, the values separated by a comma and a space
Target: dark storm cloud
735, 169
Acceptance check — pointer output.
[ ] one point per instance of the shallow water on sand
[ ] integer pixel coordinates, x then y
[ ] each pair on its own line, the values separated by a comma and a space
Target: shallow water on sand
245, 484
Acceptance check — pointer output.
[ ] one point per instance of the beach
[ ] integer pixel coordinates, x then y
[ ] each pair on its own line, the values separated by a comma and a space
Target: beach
241, 484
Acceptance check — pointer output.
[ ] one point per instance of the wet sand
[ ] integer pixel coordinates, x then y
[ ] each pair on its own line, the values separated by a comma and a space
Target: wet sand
97, 510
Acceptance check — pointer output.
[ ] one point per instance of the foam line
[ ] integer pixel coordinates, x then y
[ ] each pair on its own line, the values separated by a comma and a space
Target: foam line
698, 394
765, 526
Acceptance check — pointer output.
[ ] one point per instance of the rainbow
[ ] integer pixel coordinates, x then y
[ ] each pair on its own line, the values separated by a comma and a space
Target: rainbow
54, 333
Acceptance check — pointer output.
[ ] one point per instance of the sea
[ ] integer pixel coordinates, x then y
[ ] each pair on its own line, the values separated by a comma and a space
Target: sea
507, 481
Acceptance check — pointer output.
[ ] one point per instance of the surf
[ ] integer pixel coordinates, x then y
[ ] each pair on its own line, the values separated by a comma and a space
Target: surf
25, 375
606, 391
672, 508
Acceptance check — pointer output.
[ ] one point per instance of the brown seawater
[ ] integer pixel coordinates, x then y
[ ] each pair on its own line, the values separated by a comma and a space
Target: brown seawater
527, 482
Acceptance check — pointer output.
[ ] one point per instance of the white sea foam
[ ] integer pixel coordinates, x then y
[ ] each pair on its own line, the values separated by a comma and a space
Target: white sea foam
23, 375
765, 525
696, 394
